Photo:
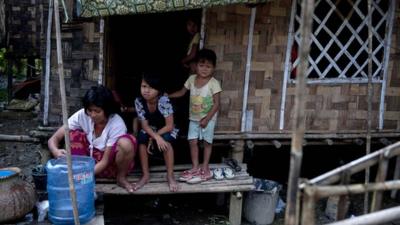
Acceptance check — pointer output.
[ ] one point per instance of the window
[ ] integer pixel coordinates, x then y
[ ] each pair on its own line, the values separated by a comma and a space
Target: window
339, 49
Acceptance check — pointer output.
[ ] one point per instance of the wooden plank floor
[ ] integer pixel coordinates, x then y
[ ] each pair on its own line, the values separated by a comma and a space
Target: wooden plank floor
158, 183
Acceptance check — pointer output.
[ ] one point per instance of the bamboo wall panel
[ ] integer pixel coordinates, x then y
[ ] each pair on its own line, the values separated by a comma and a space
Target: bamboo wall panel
392, 100
24, 26
341, 107
80, 43
227, 33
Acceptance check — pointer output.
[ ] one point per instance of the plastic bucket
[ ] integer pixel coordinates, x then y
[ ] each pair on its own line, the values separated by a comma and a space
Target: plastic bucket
39, 175
260, 204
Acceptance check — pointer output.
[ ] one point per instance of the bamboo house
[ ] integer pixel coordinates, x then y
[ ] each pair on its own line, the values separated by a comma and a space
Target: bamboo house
256, 42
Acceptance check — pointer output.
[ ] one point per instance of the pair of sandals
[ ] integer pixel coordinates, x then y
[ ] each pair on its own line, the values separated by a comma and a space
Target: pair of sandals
195, 176
233, 163
223, 173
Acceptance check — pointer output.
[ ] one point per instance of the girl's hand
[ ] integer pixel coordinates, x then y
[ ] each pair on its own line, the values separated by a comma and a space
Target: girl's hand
150, 147
162, 144
59, 153
204, 122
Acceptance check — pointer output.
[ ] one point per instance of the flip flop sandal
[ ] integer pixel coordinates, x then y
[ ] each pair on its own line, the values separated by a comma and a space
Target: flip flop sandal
233, 163
218, 173
228, 173
200, 178
188, 175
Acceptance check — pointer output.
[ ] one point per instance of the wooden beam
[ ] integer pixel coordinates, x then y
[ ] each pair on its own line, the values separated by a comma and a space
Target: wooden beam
324, 191
18, 138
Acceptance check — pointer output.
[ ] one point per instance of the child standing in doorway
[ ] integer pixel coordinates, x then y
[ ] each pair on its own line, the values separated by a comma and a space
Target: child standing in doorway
155, 114
203, 107
189, 60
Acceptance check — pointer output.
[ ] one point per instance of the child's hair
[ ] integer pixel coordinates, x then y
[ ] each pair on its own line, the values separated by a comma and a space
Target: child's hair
102, 97
206, 55
153, 79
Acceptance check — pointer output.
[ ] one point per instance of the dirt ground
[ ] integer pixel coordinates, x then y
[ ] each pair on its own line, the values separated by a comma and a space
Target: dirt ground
182, 209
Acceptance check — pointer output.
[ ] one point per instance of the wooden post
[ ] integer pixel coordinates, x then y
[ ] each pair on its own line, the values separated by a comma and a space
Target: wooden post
235, 208
308, 208
396, 176
343, 204
64, 112
235, 204
380, 177
100, 79
369, 112
238, 150
47, 70
307, 11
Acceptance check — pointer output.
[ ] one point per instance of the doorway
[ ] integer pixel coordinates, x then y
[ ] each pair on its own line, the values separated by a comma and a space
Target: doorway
148, 42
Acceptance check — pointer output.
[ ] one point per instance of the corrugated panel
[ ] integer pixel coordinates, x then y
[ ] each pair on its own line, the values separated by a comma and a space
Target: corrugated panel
93, 8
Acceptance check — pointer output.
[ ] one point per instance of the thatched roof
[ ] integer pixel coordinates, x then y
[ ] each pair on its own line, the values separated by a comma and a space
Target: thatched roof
93, 8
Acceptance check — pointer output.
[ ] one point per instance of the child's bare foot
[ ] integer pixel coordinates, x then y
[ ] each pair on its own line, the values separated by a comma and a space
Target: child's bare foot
123, 182
144, 180
173, 186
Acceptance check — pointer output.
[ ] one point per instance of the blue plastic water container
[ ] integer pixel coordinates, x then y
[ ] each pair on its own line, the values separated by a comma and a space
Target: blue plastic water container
60, 204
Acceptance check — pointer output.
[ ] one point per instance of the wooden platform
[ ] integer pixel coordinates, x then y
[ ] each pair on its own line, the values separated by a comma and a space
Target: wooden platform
158, 186
158, 183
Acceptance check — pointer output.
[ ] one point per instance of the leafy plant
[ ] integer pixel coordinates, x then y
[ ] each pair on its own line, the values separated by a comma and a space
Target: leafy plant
3, 61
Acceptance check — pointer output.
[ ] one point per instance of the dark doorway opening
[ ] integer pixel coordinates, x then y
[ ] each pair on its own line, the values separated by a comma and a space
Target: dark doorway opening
149, 42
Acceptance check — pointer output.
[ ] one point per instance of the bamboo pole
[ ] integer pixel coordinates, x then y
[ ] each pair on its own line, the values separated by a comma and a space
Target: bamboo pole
369, 112
388, 41
47, 71
64, 112
381, 217
247, 69
396, 176
307, 11
100, 79
19, 138
356, 165
342, 207
203, 27
308, 209
380, 177
323, 191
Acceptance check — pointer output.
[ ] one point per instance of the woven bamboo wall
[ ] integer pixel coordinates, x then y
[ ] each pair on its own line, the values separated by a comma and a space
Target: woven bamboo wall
80, 43
329, 108
392, 106
24, 26
227, 34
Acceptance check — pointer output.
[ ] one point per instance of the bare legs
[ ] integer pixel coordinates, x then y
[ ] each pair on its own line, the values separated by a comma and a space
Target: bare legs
169, 163
144, 162
194, 153
123, 159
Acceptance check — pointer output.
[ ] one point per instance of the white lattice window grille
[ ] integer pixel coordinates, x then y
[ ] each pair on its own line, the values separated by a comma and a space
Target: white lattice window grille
339, 49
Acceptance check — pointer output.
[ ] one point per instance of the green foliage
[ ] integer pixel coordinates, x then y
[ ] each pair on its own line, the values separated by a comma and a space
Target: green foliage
3, 95
3, 61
